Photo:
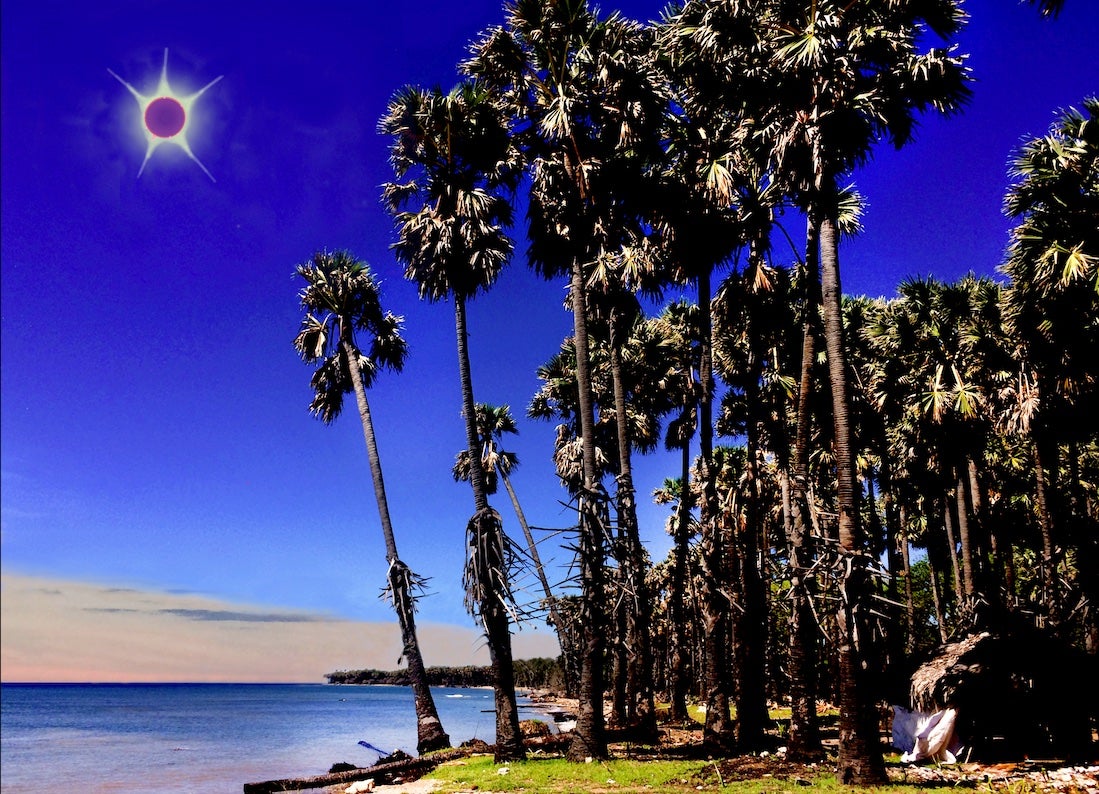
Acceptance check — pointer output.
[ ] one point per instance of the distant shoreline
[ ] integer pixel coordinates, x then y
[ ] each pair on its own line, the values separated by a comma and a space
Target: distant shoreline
530, 674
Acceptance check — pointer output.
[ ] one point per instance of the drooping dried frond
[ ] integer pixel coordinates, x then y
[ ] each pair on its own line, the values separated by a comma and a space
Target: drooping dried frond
403, 588
490, 561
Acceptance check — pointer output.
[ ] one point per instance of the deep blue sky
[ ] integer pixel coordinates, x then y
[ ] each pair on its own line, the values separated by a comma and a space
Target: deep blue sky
155, 430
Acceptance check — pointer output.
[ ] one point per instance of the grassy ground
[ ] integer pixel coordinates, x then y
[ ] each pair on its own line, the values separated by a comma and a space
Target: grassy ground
747, 775
678, 765
557, 776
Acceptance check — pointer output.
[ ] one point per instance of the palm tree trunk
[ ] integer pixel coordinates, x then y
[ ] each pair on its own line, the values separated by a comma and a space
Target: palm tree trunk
1045, 522
677, 598
969, 584
992, 584
876, 534
492, 585
430, 735
860, 754
952, 548
589, 737
936, 554
750, 629
750, 623
717, 732
909, 599
805, 741
619, 664
898, 567
641, 710
980, 531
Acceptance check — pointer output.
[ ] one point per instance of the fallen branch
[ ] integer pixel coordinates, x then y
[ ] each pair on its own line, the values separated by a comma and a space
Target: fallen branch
383, 774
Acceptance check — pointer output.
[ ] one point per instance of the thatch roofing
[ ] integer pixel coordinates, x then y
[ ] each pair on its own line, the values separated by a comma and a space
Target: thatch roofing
1017, 693
935, 683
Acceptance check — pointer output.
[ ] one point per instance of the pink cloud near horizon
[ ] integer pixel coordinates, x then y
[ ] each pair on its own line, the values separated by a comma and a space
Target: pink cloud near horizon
54, 630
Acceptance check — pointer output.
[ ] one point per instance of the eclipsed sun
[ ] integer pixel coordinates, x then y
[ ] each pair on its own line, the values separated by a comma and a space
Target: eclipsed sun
166, 116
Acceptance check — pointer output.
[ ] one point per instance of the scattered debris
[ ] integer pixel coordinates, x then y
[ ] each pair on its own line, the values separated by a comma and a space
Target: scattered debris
1043, 777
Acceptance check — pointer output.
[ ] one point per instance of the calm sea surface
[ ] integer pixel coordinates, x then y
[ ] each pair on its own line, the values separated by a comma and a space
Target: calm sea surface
208, 737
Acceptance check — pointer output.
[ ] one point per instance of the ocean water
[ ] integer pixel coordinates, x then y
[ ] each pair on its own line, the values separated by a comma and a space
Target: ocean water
208, 738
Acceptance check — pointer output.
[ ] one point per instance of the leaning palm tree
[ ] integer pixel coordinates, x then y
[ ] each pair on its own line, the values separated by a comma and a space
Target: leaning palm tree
457, 162
341, 297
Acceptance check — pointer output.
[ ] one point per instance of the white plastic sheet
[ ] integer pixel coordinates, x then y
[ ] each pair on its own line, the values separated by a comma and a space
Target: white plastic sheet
921, 736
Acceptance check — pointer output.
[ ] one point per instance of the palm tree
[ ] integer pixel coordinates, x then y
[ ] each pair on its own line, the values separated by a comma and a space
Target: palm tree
455, 154
700, 232
492, 423
576, 87
679, 325
1051, 306
341, 297
614, 281
753, 318
633, 385
805, 739
848, 75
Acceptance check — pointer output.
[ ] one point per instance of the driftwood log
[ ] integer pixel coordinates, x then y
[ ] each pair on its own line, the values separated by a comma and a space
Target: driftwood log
385, 773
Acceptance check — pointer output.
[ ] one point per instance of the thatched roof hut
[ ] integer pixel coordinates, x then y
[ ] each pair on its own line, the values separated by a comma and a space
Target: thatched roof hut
1022, 694
935, 683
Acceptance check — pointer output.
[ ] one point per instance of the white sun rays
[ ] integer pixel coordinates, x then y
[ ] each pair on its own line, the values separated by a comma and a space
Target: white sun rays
165, 116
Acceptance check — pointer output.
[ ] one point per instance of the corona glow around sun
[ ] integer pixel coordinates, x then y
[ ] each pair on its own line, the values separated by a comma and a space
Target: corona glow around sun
166, 116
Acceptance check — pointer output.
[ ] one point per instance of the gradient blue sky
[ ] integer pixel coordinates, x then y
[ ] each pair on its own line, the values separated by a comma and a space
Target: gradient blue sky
154, 424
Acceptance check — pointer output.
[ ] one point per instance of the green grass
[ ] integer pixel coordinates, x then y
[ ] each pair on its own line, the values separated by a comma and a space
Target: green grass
625, 776
621, 776
557, 776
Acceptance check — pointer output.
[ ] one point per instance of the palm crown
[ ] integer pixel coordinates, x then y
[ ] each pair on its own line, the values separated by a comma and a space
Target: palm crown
342, 297
455, 158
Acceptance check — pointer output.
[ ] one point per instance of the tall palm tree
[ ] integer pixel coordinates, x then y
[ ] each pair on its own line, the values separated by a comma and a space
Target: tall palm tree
1051, 306
753, 319
575, 85
805, 739
700, 234
451, 212
341, 297
678, 323
614, 281
849, 75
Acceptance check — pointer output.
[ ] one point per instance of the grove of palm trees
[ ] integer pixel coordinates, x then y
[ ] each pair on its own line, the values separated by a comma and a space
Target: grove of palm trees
858, 482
